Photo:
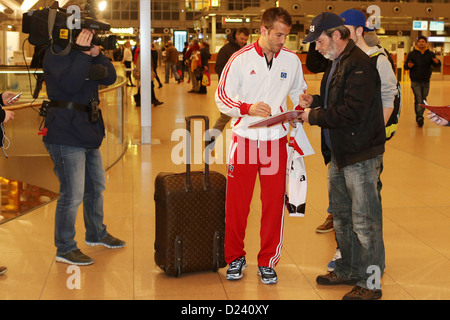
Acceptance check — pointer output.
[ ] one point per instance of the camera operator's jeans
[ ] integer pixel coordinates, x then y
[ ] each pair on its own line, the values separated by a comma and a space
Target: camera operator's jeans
357, 219
82, 180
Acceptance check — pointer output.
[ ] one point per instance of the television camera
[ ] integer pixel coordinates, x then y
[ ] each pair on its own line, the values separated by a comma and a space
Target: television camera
55, 25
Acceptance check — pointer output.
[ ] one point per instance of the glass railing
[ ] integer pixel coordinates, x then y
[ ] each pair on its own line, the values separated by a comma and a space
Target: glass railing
27, 179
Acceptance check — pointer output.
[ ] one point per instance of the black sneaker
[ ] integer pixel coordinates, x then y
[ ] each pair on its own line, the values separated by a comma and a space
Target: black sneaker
108, 241
3, 270
360, 293
235, 269
268, 275
75, 257
420, 122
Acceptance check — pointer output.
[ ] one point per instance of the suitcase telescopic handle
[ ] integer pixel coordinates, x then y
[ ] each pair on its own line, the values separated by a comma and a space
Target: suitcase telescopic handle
188, 151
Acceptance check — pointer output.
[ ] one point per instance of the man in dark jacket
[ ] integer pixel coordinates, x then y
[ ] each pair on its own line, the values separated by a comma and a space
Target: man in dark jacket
349, 111
419, 62
73, 133
236, 40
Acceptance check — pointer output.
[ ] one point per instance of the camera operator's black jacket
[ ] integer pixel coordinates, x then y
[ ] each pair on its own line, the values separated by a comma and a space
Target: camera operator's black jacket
66, 78
354, 115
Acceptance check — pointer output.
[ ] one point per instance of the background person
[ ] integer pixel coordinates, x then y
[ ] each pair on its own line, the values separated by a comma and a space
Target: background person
204, 56
236, 40
419, 63
171, 62
127, 60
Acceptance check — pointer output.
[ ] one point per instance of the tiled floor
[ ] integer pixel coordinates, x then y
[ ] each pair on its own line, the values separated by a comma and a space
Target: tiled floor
416, 206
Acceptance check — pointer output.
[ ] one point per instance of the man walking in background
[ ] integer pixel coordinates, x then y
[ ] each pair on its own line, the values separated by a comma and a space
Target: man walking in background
419, 62
172, 62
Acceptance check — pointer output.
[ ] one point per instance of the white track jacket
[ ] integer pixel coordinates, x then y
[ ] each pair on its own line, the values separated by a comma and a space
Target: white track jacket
247, 79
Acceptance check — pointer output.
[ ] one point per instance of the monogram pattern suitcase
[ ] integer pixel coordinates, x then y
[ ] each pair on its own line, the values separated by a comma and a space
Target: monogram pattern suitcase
190, 218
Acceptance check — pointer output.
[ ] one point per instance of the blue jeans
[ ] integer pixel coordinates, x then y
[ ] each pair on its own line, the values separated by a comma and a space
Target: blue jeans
420, 90
81, 180
357, 219
171, 67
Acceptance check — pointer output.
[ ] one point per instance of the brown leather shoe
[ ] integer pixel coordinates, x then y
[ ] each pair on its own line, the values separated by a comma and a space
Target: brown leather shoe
332, 279
3, 270
327, 226
360, 293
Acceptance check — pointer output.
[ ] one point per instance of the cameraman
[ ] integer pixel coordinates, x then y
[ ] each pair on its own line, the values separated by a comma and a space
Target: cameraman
73, 133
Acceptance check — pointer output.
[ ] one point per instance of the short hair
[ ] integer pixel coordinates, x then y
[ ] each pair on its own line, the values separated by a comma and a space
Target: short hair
272, 15
243, 30
422, 38
343, 30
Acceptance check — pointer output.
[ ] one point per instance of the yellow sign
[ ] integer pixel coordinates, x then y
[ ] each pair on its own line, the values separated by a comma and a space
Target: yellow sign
64, 34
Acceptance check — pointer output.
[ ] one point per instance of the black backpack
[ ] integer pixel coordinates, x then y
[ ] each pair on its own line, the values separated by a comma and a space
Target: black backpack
392, 124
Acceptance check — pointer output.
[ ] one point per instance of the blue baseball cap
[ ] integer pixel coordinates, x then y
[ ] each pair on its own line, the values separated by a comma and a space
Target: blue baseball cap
321, 23
353, 17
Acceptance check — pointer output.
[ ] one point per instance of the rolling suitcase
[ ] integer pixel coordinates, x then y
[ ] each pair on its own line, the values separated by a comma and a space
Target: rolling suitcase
190, 217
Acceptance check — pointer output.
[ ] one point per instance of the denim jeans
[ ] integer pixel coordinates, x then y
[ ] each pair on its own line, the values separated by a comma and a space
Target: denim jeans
171, 67
357, 219
420, 90
81, 180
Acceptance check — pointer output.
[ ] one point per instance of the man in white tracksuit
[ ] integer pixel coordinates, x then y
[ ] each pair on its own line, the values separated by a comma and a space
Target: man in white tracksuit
254, 84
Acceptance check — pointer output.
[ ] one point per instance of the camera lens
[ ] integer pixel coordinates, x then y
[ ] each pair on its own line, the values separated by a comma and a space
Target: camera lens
108, 42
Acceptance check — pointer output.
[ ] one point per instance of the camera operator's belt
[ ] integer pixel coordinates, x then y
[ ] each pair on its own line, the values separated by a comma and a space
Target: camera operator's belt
69, 105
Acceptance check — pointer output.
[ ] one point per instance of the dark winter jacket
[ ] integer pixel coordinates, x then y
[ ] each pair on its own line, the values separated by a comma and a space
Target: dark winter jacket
226, 52
354, 114
67, 79
421, 71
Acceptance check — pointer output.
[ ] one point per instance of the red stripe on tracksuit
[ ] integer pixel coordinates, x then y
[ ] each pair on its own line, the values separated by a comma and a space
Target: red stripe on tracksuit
247, 159
223, 79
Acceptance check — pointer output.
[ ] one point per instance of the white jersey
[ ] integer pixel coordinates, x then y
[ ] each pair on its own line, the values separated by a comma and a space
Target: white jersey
247, 79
